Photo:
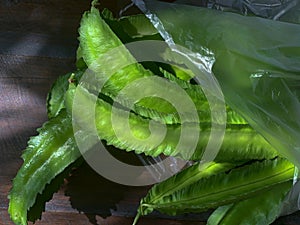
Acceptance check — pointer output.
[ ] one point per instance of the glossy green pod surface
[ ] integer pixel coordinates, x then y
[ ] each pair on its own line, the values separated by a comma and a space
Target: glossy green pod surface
47, 155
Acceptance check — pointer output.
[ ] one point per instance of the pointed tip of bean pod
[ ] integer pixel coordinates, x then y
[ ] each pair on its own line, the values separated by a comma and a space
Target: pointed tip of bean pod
18, 214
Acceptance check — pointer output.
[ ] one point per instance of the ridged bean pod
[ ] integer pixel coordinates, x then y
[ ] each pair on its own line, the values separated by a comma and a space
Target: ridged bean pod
220, 188
47, 155
239, 144
97, 39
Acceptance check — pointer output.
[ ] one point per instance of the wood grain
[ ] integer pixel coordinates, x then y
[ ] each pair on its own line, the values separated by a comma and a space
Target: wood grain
38, 41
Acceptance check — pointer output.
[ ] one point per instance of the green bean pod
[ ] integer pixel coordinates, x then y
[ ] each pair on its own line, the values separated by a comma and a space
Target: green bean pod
262, 209
47, 154
96, 39
218, 189
239, 144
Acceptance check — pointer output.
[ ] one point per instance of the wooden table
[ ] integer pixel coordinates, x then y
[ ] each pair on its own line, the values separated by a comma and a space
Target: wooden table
38, 41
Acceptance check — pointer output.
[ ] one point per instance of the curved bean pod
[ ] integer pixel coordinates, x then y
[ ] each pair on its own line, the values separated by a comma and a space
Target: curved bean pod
240, 143
96, 39
218, 189
47, 154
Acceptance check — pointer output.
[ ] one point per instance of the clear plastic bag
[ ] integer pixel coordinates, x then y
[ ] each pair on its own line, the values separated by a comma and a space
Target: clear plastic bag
256, 61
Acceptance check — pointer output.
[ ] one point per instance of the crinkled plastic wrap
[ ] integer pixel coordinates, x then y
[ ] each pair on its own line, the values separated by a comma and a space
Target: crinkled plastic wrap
292, 15
285, 10
272, 9
256, 62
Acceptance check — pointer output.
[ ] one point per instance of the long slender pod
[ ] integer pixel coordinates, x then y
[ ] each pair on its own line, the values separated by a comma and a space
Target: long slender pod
195, 173
218, 189
97, 39
47, 154
262, 209
240, 144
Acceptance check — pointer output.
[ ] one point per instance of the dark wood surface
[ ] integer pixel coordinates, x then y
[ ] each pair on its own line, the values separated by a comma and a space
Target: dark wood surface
38, 40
